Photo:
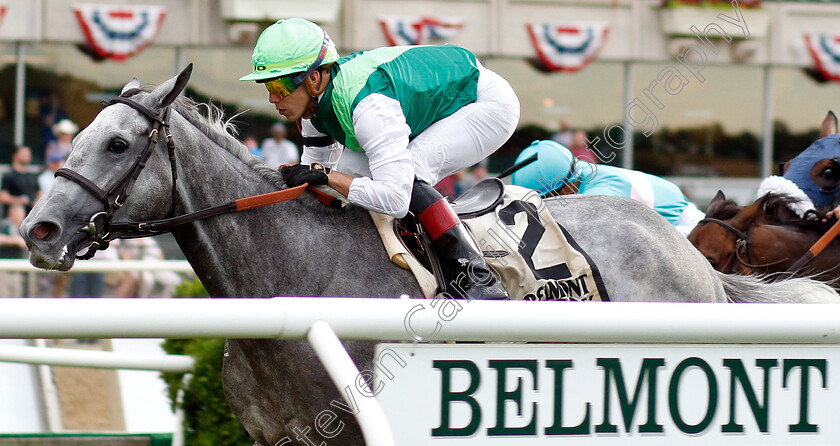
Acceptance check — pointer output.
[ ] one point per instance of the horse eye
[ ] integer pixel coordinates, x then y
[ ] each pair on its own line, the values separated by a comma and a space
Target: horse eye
118, 146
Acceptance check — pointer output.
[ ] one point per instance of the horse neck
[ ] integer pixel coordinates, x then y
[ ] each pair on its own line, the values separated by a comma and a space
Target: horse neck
224, 250
296, 247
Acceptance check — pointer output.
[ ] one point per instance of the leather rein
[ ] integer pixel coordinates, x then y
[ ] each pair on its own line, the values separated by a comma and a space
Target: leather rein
742, 247
102, 230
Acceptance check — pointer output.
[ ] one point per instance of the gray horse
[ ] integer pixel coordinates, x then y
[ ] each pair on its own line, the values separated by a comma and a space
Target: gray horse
302, 248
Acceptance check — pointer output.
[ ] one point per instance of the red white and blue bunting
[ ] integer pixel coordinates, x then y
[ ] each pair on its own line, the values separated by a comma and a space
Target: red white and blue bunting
418, 30
567, 46
118, 31
825, 50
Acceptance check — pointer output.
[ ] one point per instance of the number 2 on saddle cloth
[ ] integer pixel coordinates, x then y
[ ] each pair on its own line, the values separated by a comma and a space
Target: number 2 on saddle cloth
533, 256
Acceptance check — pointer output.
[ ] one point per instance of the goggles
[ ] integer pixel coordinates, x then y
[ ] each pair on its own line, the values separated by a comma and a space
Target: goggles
282, 86
285, 85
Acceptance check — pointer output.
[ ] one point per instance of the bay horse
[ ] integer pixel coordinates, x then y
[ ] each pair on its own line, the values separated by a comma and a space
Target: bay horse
765, 238
302, 248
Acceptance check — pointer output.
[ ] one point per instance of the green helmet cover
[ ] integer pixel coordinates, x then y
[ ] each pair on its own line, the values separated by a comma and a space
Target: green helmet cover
289, 46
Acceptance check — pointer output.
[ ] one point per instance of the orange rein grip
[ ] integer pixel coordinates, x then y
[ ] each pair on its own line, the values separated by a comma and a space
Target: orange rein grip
829, 235
256, 201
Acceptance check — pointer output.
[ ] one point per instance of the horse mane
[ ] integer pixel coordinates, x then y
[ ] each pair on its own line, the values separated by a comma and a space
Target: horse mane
775, 206
776, 211
210, 120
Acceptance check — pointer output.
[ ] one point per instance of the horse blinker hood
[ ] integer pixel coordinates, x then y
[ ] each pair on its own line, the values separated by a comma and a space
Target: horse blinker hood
800, 167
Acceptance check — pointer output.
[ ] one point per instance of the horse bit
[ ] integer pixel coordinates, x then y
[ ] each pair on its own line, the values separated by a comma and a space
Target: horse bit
100, 227
742, 244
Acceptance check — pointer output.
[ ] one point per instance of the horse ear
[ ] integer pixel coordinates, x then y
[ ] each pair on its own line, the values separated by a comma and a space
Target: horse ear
132, 84
829, 125
715, 203
744, 218
166, 92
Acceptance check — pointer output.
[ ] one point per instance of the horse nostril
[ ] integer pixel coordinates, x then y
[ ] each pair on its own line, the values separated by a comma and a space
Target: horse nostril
45, 230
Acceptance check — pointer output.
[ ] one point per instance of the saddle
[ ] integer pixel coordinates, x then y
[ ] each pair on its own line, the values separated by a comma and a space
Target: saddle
534, 258
479, 199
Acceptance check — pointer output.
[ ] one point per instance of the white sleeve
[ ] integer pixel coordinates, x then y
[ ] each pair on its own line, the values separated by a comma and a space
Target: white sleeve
381, 129
327, 155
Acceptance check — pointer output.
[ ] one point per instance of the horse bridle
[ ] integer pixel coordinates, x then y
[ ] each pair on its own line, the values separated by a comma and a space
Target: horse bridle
114, 197
102, 230
742, 247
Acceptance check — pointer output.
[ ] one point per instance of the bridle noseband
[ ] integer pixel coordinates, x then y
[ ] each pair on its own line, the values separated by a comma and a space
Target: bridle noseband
102, 230
115, 196
742, 247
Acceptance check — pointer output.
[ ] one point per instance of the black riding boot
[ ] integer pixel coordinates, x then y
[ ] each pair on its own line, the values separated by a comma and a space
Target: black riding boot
459, 264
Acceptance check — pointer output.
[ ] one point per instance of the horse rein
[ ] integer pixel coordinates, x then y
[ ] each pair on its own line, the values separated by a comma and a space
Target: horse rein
742, 243
102, 229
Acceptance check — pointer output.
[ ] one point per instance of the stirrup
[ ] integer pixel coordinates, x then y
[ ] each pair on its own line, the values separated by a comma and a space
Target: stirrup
464, 277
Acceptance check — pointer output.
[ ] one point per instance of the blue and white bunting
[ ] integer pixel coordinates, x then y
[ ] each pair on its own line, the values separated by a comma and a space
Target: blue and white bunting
825, 50
119, 31
418, 30
567, 46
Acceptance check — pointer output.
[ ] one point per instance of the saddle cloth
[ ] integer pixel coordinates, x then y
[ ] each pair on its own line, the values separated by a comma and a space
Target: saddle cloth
535, 257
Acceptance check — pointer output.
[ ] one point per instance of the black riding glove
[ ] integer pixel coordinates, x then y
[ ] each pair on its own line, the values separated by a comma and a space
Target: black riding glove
315, 174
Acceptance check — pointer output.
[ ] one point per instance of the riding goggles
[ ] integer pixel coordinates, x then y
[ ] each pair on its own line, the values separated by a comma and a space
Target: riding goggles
282, 86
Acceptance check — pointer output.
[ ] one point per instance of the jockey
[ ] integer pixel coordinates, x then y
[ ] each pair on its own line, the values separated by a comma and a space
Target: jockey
556, 167
382, 126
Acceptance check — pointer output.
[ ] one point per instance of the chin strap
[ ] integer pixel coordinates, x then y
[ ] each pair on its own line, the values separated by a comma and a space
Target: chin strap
313, 106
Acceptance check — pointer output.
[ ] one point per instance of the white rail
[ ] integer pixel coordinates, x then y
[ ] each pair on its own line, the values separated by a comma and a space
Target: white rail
320, 319
405, 319
372, 421
178, 266
95, 359
45, 356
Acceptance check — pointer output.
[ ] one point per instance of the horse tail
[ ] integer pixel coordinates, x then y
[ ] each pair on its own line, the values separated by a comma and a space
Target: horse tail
757, 289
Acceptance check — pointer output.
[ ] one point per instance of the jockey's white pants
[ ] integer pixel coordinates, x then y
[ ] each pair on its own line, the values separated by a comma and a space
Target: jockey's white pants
461, 139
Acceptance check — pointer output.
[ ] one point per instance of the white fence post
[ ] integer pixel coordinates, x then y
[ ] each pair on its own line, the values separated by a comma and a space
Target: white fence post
344, 373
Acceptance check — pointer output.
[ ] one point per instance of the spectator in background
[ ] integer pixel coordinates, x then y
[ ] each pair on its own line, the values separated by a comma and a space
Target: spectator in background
92, 284
144, 283
278, 150
64, 132
51, 114
446, 186
12, 246
253, 146
564, 135
19, 186
479, 170
579, 149
47, 177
